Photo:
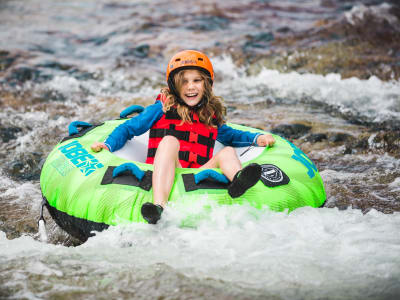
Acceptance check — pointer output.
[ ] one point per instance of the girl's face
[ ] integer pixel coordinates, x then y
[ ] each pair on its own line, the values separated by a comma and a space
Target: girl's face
192, 89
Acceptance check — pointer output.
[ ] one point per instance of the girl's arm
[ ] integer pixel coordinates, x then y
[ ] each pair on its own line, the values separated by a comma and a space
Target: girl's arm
132, 127
239, 138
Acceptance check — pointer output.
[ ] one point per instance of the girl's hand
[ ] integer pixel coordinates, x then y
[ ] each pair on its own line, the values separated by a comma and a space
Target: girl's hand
265, 140
97, 146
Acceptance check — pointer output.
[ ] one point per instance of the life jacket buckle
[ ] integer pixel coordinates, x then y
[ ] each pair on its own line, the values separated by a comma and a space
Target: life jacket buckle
193, 137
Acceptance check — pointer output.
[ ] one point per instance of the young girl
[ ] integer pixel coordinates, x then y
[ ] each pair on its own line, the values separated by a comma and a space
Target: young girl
184, 123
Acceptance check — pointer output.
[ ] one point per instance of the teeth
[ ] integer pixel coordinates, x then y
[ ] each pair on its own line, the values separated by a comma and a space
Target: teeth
191, 95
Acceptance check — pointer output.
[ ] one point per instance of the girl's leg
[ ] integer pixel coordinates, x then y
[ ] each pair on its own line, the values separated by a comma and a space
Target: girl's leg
165, 162
227, 160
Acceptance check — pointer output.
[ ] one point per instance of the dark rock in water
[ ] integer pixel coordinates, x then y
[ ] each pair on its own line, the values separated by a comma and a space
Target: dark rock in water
81, 75
54, 65
260, 40
141, 51
70, 69
359, 144
50, 95
98, 40
40, 48
208, 23
339, 137
316, 137
26, 168
283, 29
5, 60
22, 74
291, 131
9, 133
148, 27
389, 141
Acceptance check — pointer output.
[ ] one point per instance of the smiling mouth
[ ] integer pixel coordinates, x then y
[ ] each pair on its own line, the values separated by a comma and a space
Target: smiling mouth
191, 95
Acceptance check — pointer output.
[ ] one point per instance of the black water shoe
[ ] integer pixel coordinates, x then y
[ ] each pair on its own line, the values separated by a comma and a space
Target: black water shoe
151, 212
244, 179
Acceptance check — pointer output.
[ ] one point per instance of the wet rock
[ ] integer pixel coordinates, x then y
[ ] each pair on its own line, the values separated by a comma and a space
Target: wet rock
141, 51
55, 65
27, 167
81, 75
70, 69
339, 137
42, 49
49, 96
284, 29
291, 131
6, 60
23, 74
98, 40
261, 40
316, 137
389, 141
9, 133
208, 23
148, 27
359, 144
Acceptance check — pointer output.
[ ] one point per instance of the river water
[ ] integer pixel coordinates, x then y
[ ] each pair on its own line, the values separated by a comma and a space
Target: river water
324, 74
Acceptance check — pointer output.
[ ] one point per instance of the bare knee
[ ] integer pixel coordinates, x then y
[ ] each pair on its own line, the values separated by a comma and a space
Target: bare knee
170, 142
226, 154
227, 151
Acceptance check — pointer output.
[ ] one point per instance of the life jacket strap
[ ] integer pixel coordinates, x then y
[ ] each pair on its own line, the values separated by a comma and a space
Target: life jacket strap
183, 155
187, 136
192, 157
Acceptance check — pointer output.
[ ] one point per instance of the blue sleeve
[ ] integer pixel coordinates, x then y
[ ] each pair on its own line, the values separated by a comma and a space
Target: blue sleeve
134, 126
234, 137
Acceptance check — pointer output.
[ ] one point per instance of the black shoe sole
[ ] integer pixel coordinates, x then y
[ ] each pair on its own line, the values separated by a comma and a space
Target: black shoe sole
151, 212
247, 177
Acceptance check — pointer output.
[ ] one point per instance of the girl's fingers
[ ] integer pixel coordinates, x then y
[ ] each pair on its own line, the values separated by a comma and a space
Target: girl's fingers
96, 147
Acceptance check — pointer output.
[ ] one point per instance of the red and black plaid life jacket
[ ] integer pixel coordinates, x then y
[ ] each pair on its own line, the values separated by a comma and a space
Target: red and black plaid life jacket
196, 140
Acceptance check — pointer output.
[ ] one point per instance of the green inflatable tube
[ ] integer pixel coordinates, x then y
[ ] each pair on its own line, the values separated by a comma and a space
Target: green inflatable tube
83, 193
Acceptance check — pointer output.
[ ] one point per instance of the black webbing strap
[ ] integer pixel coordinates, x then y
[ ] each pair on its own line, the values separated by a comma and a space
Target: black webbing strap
82, 132
172, 114
127, 178
207, 184
210, 146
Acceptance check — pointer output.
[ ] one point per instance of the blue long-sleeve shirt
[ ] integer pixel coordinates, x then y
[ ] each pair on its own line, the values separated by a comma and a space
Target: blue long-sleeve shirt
152, 113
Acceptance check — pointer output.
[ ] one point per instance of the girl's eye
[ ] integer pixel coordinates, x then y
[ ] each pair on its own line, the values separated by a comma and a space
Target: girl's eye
198, 79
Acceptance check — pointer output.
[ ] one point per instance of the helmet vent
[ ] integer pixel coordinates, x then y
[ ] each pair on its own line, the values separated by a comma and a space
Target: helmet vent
200, 58
178, 59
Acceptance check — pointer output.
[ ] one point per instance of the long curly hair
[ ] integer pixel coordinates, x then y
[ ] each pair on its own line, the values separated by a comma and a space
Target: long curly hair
213, 111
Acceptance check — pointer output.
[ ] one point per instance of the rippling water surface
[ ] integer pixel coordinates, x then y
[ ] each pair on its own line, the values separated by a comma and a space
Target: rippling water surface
305, 70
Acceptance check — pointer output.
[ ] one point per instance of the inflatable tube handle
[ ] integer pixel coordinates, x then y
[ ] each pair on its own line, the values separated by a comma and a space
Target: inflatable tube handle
134, 169
210, 174
73, 127
130, 110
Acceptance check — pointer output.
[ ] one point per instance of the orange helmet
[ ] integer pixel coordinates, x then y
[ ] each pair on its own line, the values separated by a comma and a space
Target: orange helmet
189, 59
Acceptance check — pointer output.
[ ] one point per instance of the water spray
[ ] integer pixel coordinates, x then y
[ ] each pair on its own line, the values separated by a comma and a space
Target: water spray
42, 224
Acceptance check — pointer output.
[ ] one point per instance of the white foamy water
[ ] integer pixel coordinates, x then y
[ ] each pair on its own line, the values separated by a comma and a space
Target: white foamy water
308, 254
